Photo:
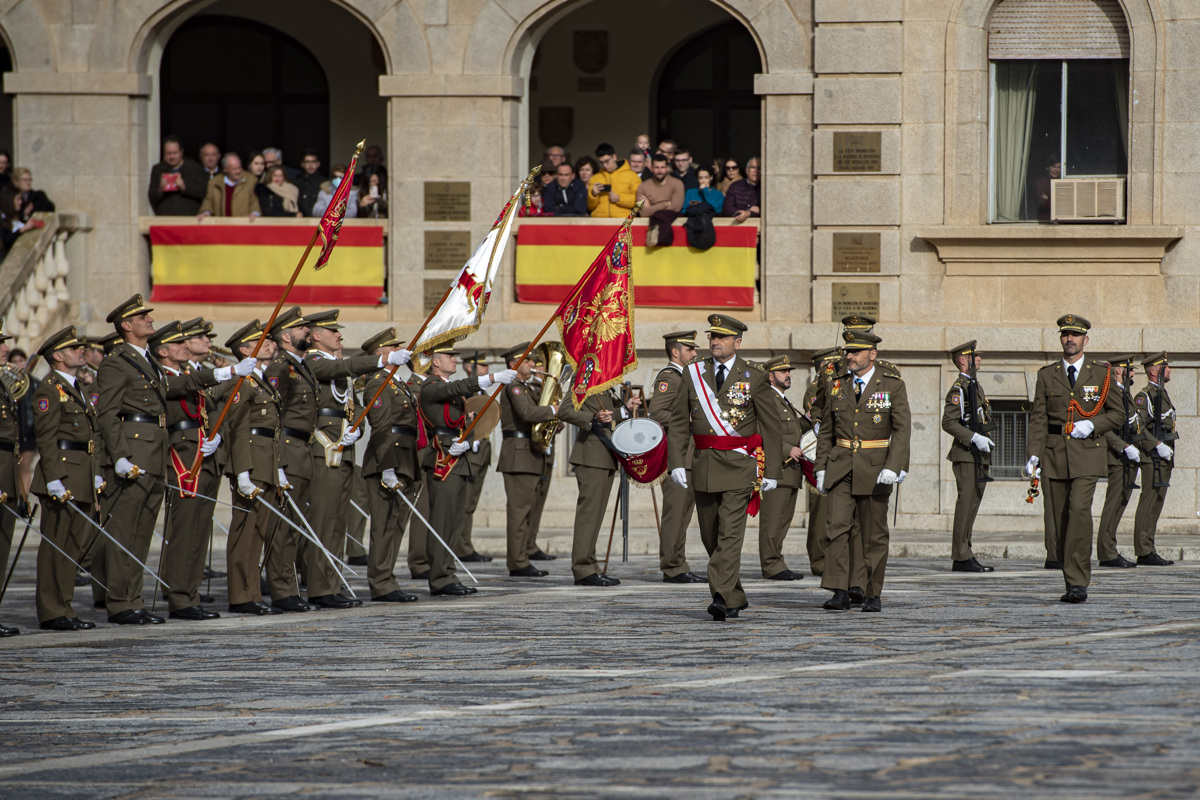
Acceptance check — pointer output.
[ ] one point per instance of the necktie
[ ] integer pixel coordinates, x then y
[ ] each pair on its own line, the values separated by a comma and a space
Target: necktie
1071, 375
858, 387
720, 376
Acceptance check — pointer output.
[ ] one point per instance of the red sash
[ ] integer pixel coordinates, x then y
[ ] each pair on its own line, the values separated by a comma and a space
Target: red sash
751, 444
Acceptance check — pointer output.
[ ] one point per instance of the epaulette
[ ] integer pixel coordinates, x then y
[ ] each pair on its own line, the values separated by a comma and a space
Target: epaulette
757, 366
888, 366
695, 360
1049, 367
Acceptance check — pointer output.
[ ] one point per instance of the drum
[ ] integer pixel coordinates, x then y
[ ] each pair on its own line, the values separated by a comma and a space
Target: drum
491, 417
808, 443
641, 447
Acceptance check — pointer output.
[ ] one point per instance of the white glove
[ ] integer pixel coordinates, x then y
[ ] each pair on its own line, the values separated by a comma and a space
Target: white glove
458, 448
1131, 452
245, 366
1030, 465
210, 445
768, 484
1082, 429
503, 377
475, 446
817, 428
398, 358
886, 477
679, 475
56, 489
245, 485
900, 478
350, 437
1164, 452
123, 467
98, 482
389, 479
982, 442
283, 478
821, 481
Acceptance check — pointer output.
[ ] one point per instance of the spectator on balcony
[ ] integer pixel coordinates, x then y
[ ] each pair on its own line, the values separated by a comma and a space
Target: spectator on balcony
32, 200
743, 199
5, 167
546, 175
276, 196
210, 160
642, 144
667, 148
310, 181
177, 184
612, 191
325, 197
232, 194
567, 197
555, 155
663, 192
585, 168
729, 172
682, 169
11, 224
372, 200
256, 167
273, 157
639, 164
704, 192
371, 157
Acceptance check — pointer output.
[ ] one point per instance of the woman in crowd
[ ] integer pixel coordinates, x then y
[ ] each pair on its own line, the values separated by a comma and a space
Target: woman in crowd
372, 200
731, 172
277, 197
256, 166
706, 193
585, 168
325, 196
5, 167
32, 200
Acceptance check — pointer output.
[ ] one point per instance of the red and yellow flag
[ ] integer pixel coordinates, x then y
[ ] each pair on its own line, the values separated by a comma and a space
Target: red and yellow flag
331, 221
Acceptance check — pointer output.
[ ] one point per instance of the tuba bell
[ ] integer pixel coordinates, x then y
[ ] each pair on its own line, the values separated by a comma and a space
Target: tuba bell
558, 373
17, 381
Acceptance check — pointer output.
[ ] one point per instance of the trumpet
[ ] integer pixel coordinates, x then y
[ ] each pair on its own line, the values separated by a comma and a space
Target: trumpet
220, 357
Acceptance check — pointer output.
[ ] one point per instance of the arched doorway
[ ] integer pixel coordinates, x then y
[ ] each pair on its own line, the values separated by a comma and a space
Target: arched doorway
6, 104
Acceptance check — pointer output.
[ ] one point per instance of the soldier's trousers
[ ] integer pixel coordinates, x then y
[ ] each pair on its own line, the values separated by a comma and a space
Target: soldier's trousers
722, 520
539, 505
678, 505
1149, 508
327, 513
418, 538
465, 546
595, 486
1116, 498
966, 507
1051, 525
774, 521
356, 523
818, 531
389, 516
8, 526
1071, 503
281, 562
188, 532
520, 488
254, 534
445, 515
856, 555
134, 513
55, 573
93, 558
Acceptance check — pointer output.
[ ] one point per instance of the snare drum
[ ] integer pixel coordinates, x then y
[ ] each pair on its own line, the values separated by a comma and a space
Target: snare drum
641, 446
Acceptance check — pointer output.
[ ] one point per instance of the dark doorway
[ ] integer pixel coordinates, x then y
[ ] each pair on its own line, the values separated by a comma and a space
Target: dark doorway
244, 86
6, 107
706, 97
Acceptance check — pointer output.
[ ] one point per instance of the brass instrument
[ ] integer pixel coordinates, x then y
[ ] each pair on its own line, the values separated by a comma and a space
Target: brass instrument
220, 357
558, 373
17, 381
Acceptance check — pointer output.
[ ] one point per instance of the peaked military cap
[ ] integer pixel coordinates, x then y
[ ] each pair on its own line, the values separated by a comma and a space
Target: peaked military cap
515, 352
247, 333
859, 340
60, 341
780, 364
475, 357
830, 354
130, 308
1123, 361
91, 341
4, 337
324, 319
385, 338
109, 341
1073, 323
446, 349
292, 318
1155, 360
725, 325
858, 322
680, 337
197, 326
964, 349
166, 334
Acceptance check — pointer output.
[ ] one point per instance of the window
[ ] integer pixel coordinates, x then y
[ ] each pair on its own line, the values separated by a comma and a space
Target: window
1012, 425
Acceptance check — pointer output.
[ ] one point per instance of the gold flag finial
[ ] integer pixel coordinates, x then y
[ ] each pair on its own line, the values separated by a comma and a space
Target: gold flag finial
358, 148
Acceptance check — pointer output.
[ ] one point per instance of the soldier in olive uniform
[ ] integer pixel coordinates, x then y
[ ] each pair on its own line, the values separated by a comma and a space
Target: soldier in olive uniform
862, 451
521, 464
731, 416
418, 537
67, 469
197, 336
9, 470
678, 502
479, 458
1073, 408
1157, 418
970, 453
825, 365
543, 487
1123, 460
390, 465
779, 506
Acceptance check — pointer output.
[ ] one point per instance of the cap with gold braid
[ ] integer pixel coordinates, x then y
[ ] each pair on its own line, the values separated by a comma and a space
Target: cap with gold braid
725, 325
292, 318
1158, 359
247, 333
680, 337
780, 364
109, 341
4, 337
324, 319
130, 308
858, 322
166, 334
1073, 323
1123, 361
385, 338
446, 349
822, 356
964, 349
60, 341
475, 357
859, 340
197, 326
514, 352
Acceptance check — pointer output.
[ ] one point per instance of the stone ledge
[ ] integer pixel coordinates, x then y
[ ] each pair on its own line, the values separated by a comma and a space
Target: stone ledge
783, 83
118, 83
451, 86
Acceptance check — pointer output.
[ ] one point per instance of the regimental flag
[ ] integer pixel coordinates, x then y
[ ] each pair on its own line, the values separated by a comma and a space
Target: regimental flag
595, 322
331, 221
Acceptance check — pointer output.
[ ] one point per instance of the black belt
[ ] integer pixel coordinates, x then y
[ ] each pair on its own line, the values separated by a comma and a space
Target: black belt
267, 432
184, 425
404, 430
8, 447
132, 416
514, 435
1054, 430
445, 431
333, 412
83, 447
296, 434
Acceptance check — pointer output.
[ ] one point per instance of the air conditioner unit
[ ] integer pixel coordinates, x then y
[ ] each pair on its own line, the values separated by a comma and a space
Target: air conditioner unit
1087, 200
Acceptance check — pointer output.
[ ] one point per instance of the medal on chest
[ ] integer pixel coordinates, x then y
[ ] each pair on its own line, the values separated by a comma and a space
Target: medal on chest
1091, 394
879, 401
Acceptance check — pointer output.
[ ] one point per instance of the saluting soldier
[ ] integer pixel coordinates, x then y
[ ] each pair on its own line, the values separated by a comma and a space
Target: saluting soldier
825, 365
970, 452
10, 435
479, 457
1123, 461
733, 420
865, 412
64, 426
390, 465
1073, 408
1156, 414
779, 506
521, 465
678, 502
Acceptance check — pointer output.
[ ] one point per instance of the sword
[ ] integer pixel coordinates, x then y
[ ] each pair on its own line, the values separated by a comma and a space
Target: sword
112, 539
358, 508
435, 535
20, 547
201, 496
333, 559
48, 541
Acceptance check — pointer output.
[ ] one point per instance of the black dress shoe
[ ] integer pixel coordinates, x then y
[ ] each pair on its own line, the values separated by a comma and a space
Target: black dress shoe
357, 561
194, 613
969, 565
333, 601
209, 572
60, 624
528, 571
1076, 594
1051, 564
395, 597
293, 605
5, 630
1120, 562
786, 575
856, 596
477, 557
983, 567
596, 579
421, 576
151, 619
720, 612
81, 579
609, 580
128, 617
839, 602
872, 604
453, 590
1153, 560
82, 625
255, 608
540, 556
684, 577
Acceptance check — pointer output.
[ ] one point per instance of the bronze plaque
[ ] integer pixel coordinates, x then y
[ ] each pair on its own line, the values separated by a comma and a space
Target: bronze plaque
434, 289
855, 298
447, 201
590, 50
591, 85
857, 151
447, 250
856, 252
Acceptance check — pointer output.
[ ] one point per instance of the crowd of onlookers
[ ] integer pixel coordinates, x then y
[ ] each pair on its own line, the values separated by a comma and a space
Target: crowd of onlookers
19, 201
222, 185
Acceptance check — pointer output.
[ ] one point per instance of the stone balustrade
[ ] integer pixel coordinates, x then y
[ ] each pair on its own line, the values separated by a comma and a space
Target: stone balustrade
34, 300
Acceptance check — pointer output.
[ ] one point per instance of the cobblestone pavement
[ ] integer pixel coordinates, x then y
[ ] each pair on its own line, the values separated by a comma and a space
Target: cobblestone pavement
966, 686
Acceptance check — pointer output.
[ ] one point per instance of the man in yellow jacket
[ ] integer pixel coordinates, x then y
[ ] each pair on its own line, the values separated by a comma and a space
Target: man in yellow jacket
612, 191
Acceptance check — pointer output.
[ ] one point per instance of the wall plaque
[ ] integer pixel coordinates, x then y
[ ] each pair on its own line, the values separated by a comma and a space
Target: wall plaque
447, 201
447, 250
857, 151
856, 252
434, 289
855, 298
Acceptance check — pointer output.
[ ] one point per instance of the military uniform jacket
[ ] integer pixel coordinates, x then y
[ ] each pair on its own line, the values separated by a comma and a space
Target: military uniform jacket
335, 392
62, 415
1117, 445
1144, 404
955, 417
589, 449
746, 404
1060, 456
10, 433
881, 413
390, 448
519, 412
667, 385
253, 430
443, 404
793, 425
187, 415
297, 387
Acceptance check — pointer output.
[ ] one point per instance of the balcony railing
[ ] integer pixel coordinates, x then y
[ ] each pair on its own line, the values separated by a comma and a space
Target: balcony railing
34, 300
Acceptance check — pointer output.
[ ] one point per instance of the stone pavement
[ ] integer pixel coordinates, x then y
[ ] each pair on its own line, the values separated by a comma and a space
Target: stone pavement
966, 686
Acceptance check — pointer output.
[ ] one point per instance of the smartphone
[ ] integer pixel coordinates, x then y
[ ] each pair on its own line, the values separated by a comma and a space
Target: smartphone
374, 191
605, 187
170, 181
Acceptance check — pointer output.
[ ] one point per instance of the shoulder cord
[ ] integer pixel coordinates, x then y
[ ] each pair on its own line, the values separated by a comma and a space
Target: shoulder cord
1073, 407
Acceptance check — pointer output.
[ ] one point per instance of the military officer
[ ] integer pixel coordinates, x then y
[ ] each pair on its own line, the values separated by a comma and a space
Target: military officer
779, 506
197, 336
9, 471
521, 463
67, 469
418, 550
390, 465
733, 419
678, 502
1073, 408
825, 364
970, 452
1123, 460
864, 324
862, 451
1156, 414
536, 553
479, 457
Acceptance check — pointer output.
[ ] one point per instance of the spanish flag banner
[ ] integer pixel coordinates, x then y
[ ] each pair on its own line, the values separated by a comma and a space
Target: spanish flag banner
549, 254
213, 263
